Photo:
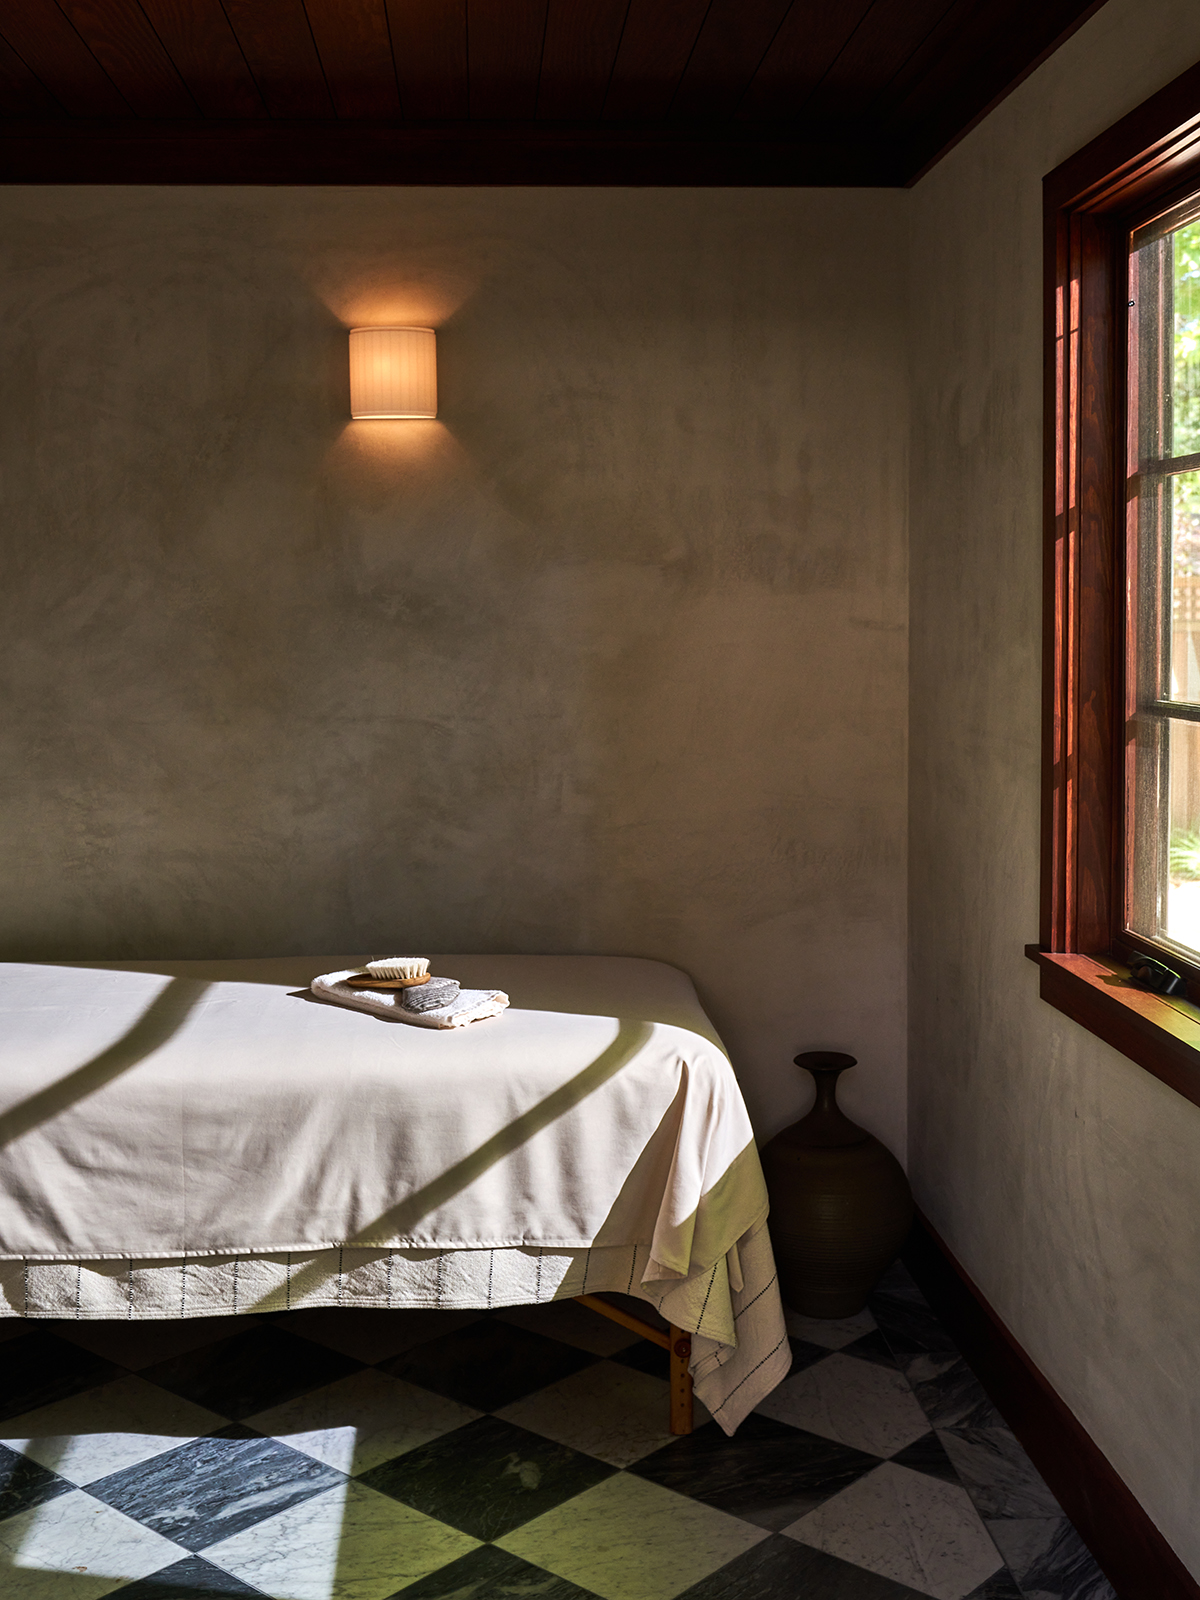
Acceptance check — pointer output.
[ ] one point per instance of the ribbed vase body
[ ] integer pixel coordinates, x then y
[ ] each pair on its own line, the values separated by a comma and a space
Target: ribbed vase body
841, 1206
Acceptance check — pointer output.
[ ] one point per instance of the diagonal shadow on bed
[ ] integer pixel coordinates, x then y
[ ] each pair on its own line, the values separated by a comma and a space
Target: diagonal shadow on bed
631, 1036
164, 1016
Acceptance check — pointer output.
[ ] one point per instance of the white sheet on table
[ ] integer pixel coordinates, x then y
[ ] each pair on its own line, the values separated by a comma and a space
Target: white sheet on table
161, 1109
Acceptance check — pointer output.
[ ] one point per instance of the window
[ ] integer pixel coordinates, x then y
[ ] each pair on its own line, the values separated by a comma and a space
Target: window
1162, 560
1121, 815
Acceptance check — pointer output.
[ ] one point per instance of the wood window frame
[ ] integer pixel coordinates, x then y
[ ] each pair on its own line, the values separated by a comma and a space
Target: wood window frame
1144, 164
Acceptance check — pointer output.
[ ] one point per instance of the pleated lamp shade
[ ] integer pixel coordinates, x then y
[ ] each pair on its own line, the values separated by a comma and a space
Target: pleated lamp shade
393, 372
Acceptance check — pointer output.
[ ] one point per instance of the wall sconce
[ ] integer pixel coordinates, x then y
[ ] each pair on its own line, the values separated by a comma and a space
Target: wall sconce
393, 372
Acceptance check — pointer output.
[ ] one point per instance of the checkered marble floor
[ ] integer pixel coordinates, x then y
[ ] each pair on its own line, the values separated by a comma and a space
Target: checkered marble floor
359, 1455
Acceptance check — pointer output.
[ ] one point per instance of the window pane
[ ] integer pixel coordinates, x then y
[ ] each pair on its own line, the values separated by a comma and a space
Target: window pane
1186, 386
1183, 508
1182, 491
1183, 886
1162, 877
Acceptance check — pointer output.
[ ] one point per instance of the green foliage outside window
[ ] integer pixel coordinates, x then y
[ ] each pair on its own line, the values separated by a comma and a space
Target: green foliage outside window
1185, 855
1185, 399
1186, 386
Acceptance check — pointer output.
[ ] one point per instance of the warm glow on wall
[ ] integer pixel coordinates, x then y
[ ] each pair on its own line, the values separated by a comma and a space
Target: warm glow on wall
393, 372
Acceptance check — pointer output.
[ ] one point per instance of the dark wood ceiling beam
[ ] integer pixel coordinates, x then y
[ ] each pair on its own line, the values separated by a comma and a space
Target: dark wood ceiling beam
888, 35
504, 57
429, 47
49, 46
21, 93
582, 40
735, 39
656, 45
947, 55
355, 48
905, 78
333, 152
989, 51
199, 40
809, 41
120, 37
277, 42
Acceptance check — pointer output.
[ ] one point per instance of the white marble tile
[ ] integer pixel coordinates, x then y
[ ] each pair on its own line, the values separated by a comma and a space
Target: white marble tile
75, 1546
350, 1543
363, 1420
573, 1324
858, 1403
106, 1429
136, 1344
833, 1333
372, 1335
627, 1539
608, 1411
906, 1526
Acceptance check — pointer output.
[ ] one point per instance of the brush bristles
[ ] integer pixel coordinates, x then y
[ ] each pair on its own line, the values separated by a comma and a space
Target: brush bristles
399, 967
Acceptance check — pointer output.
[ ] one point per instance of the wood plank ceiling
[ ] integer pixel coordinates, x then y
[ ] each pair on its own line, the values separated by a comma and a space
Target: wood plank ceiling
506, 91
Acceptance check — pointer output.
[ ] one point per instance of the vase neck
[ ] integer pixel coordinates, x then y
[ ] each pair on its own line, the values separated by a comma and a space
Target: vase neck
826, 1081
827, 1123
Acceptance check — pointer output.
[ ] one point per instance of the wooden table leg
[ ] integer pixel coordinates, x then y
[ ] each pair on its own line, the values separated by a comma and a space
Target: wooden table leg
677, 1342
681, 1381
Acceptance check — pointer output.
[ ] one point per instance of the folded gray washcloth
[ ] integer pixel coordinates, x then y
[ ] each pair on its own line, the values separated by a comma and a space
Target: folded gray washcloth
431, 996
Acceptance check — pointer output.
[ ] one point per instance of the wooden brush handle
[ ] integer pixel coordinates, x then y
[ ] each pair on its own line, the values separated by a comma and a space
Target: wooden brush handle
386, 983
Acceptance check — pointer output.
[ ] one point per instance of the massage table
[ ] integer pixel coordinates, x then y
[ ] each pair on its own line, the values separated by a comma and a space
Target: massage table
198, 1138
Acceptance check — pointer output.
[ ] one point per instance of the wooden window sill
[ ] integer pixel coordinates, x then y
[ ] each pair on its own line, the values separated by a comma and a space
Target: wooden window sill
1160, 1034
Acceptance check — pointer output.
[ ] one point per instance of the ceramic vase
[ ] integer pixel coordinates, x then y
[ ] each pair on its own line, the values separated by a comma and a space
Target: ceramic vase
841, 1206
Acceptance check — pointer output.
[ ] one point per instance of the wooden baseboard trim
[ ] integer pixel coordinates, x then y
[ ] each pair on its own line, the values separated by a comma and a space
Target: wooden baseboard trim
1136, 1559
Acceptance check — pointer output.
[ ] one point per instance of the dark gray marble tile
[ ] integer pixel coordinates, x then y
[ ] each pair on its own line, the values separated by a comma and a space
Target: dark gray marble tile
997, 1474
492, 1574
769, 1473
926, 1365
374, 1334
928, 1455
23, 1483
1049, 1560
250, 1371
212, 1488
897, 1282
1000, 1586
489, 1364
805, 1354
40, 1368
643, 1356
871, 1347
642, 1309
781, 1569
910, 1327
487, 1478
951, 1396
193, 1579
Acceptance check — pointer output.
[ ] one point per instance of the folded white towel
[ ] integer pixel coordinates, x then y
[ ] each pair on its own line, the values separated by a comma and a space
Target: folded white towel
468, 1005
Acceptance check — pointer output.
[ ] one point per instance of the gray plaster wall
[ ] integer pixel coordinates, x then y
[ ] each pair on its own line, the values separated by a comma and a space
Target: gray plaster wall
610, 658
1065, 1178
